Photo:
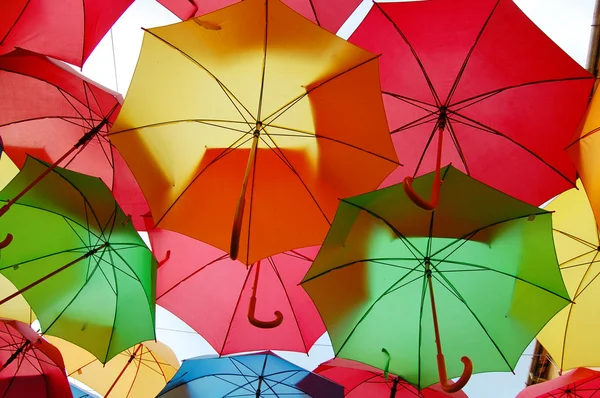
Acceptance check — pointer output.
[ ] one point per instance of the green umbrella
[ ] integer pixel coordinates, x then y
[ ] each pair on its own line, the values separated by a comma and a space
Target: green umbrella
78, 261
488, 257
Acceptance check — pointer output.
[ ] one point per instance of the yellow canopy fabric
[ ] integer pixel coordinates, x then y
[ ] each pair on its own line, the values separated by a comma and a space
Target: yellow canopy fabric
201, 90
571, 337
138, 372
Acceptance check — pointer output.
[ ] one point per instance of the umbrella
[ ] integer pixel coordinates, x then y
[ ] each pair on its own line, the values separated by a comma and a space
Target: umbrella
29, 365
259, 375
221, 103
570, 337
329, 14
236, 308
140, 371
79, 393
488, 257
478, 85
360, 380
57, 115
579, 383
63, 29
78, 262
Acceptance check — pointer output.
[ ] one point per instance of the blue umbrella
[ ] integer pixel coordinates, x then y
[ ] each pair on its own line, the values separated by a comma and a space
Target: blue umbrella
253, 375
79, 393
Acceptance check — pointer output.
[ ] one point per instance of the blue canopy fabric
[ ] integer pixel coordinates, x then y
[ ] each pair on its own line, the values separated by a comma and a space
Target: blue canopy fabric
79, 393
252, 375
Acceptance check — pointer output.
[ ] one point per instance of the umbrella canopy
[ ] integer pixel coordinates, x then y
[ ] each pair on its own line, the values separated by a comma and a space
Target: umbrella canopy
59, 116
256, 375
255, 97
140, 371
63, 29
360, 380
579, 383
29, 365
570, 337
223, 309
329, 14
78, 262
505, 99
489, 257
79, 393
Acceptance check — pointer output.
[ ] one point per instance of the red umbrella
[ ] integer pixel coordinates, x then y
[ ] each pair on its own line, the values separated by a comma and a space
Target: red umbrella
480, 74
578, 383
360, 380
29, 365
64, 29
234, 307
49, 111
329, 14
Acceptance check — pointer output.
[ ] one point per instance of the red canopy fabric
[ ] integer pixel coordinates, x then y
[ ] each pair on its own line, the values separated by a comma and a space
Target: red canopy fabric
580, 383
64, 29
360, 380
211, 293
329, 14
512, 98
46, 107
29, 365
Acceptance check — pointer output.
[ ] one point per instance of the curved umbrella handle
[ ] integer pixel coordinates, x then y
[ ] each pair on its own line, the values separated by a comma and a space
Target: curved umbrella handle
448, 385
263, 324
6, 241
416, 199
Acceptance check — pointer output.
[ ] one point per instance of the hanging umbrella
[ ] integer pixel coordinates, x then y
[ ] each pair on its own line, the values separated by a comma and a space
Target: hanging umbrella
63, 29
79, 263
329, 14
252, 96
79, 393
478, 85
579, 383
360, 380
57, 115
570, 337
256, 375
140, 371
488, 257
29, 365
236, 308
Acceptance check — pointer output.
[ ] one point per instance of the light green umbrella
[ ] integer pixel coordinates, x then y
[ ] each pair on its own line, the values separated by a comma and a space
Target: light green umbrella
488, 257
78, 261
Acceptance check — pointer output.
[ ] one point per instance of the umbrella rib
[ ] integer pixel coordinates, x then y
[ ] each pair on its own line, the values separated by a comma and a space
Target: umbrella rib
244, 386
66, 220
375, 260
112, 329
581, 137
264, 62
208, 122
412, 101
567, 267
87, 98
115, 251
577, 239
578, 293
159, 363
459, 150
17, 19
68, 119
137, 371
237, 304
74, 250
226, 91
429, 140
416, 123
469, 54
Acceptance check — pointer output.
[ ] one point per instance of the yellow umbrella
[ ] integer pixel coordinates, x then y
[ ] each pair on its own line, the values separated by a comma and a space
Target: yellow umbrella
571, 337
253, 96
138, 372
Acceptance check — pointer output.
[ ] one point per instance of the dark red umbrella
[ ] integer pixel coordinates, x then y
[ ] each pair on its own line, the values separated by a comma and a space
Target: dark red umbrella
578, 383
329, 14
234, 307
360, 380
480, 74
64, 29
49, 111
29, 365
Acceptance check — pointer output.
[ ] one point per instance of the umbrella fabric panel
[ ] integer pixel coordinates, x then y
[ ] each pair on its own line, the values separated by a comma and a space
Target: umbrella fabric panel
580, 382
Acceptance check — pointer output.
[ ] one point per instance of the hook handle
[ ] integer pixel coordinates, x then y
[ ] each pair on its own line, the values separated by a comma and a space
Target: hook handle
450, 386
416, 199
6, 241
263, 324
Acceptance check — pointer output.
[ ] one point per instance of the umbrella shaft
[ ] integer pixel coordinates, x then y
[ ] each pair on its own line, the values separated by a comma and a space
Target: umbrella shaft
15, 355
438, 343
131, 358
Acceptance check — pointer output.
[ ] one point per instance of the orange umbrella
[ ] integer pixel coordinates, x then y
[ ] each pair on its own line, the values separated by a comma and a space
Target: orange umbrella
244, 126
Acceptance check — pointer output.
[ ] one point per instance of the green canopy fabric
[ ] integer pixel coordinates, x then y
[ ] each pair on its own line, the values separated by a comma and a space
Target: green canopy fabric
103, 302
493, 267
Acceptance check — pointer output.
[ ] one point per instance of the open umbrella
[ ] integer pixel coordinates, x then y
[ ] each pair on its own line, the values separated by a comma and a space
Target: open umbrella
570, 337
79, 393
488, 257
329, 14
63, 29
236, 308
255, 375
360, 380
78, 262
140, 371
244, 126
579, 383
29, 365
478, 85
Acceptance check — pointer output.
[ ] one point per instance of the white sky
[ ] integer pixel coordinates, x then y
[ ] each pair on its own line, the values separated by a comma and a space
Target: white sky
567, 22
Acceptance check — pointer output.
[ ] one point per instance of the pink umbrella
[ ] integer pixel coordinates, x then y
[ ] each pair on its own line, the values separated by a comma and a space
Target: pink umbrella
578, 383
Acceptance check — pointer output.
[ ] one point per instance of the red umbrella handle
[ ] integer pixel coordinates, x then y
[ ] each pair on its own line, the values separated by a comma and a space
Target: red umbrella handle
6, 241
252, 308
450, 386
